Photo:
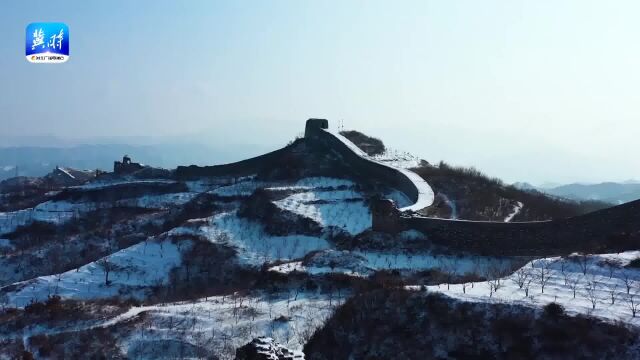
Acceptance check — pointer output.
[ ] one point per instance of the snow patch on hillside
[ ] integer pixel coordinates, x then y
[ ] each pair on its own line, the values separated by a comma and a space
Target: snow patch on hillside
56, 212
247, 186
399, 159
60, 212
516, 210
595, 278
364, 263
133, 269
221, 324
163, 201
452, 205
345, 209
399, 198
254, 245
319, 182
243, 188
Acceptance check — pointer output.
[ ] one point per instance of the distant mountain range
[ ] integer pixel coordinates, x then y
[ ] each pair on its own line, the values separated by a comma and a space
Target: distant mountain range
611, 192
38, 161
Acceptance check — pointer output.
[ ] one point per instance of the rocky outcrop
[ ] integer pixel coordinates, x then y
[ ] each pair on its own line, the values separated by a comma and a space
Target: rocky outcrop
265, 348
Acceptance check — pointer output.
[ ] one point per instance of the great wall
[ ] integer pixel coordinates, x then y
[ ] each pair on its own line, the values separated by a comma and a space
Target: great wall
612, 229
412, 185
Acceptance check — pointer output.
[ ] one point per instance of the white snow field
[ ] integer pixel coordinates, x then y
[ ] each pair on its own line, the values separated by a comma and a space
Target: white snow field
253, 244
329, 201
56, 212
60, 212
132, 270
321, 182
222, 323
246, 186
595, 278
364, 263
345, 209
163, 201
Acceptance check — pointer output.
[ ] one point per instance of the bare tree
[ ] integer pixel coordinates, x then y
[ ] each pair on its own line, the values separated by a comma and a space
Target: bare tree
573, 282
563, 267
494, 285
583, 262
449, 267
592, 293
543, 272
611, 290
627, 280
520, 276
271, 305
566, 275
297, 292
476, 266
612, 266
305, 331
527, 285
494, 274
106, 267
633, 302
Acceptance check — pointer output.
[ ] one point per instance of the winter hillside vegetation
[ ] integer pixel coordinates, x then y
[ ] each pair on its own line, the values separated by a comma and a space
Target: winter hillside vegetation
294, 255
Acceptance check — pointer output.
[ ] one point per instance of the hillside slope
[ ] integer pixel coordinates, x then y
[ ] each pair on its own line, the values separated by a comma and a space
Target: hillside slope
406, 325
198, 261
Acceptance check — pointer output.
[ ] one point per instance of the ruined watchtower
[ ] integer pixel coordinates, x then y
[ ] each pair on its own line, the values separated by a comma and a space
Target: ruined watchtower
126, 166
314, 125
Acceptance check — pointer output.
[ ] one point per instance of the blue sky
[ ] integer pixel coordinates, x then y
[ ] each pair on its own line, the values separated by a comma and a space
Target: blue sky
524, 90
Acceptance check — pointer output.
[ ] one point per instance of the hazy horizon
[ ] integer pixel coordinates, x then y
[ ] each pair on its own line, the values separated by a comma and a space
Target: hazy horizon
525, 91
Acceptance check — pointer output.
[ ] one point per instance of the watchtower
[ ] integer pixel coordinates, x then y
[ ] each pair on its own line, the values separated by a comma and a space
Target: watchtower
314, 125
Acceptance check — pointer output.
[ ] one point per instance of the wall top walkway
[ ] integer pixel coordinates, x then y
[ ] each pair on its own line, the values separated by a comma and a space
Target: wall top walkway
425, 193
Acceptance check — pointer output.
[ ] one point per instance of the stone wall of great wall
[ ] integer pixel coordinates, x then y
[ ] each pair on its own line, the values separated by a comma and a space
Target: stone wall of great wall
414, 187
609, 230
237, 169
317, 136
